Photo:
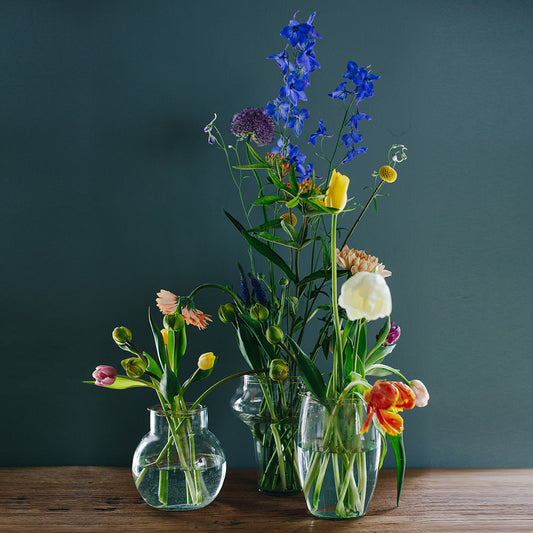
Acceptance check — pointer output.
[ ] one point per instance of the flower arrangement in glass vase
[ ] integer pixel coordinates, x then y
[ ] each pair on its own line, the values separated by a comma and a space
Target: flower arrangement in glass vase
179, 464
298, 253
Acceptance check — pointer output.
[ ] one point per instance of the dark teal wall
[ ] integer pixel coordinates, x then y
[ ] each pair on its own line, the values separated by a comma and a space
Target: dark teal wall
110, 193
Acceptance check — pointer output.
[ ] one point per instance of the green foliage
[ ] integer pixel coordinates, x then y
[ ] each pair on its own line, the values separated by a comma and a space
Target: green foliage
398, 448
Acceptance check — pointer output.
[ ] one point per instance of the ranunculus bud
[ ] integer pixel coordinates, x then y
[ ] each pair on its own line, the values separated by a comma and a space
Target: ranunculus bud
274, 335
366, 295
174, 321
206, 361
392, 336
226, 313
279, 370
134, 367
420, 392
259, 312
121, 335
104, 375
387, 174
337, 194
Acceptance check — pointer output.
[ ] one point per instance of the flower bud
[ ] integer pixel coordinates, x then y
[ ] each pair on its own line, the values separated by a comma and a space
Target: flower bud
134, 367
274, 335
226, 313
206, 361
164, 334
387, 174
279, 370
392, 336
174, 321
420, 392
121, 335
290, 218
337, 194
259, 312
283, 282
104, 375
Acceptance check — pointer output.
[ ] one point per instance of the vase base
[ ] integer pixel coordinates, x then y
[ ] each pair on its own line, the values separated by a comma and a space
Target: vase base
279, 492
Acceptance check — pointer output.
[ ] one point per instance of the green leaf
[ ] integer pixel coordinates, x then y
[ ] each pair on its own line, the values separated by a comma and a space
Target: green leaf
381, 339
124, 382
384, 370
311, 375
158, 339
169, 385
379, 354
278, 240
249, 346
263, 249
153, 367
290, 230
270, 224
176, 346
252, 167
255, 155
398, 448
293, 202
268, 200
318, 274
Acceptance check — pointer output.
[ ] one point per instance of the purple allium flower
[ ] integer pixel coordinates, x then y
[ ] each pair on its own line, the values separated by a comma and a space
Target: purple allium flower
393, 336
252, 121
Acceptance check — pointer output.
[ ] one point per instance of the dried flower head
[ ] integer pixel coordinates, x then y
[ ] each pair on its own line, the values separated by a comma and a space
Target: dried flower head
359, 261
252, 121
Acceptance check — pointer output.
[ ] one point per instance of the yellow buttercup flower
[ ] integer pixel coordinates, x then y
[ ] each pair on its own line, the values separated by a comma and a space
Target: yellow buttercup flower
290, 218
387, 174
206, 361
337, 194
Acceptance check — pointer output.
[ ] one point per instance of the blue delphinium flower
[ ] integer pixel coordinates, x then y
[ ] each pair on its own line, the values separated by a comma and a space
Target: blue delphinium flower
278, 109
298, 33
363, 87
297, 119
341, 92
282, 59
294, 88
320, 132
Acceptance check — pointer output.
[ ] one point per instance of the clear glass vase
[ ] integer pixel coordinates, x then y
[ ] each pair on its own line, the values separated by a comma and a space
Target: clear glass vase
338, 466
270, 409
179, 465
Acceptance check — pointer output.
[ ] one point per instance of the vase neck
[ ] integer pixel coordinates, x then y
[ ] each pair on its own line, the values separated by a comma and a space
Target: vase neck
196, 419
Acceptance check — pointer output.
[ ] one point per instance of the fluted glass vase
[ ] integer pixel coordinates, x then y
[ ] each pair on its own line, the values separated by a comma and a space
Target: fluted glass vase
338, 465
179, 465
270, 409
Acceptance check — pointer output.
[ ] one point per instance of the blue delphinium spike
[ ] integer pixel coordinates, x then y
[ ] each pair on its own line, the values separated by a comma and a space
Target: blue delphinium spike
258, 290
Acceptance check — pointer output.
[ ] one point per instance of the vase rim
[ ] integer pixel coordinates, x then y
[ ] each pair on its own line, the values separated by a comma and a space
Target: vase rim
182, 413
332, 401
266, 377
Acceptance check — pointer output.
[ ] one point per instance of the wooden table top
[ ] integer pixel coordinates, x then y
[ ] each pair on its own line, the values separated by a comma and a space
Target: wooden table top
103, 499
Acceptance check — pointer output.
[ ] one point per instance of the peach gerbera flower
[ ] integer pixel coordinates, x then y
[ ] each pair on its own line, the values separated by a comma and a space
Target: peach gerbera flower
167, 302
195, 317
359, 261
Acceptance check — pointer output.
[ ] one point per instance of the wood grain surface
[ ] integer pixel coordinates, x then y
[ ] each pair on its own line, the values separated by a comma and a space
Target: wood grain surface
85, 499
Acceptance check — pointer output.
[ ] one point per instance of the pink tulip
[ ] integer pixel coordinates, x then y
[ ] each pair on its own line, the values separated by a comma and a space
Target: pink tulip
420, 392
104, 375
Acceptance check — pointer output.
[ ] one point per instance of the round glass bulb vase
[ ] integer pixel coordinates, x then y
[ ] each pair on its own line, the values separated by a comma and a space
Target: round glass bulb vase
270, 409
179, 465
338, 466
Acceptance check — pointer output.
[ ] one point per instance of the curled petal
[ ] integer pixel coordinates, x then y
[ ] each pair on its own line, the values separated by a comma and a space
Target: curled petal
406, 398
390, 421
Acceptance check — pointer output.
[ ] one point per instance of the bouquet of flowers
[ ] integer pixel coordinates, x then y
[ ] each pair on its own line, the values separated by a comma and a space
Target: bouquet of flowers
179, 465
293, 230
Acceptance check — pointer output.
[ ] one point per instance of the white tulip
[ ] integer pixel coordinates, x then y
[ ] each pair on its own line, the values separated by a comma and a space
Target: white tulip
366, 295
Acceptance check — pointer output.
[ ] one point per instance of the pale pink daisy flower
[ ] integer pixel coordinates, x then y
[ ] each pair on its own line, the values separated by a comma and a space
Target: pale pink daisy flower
195, 317
167, 302
359, 261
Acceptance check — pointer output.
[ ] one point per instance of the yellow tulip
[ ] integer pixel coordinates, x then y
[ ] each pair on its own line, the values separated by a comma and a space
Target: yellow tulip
337, 194
206, 361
